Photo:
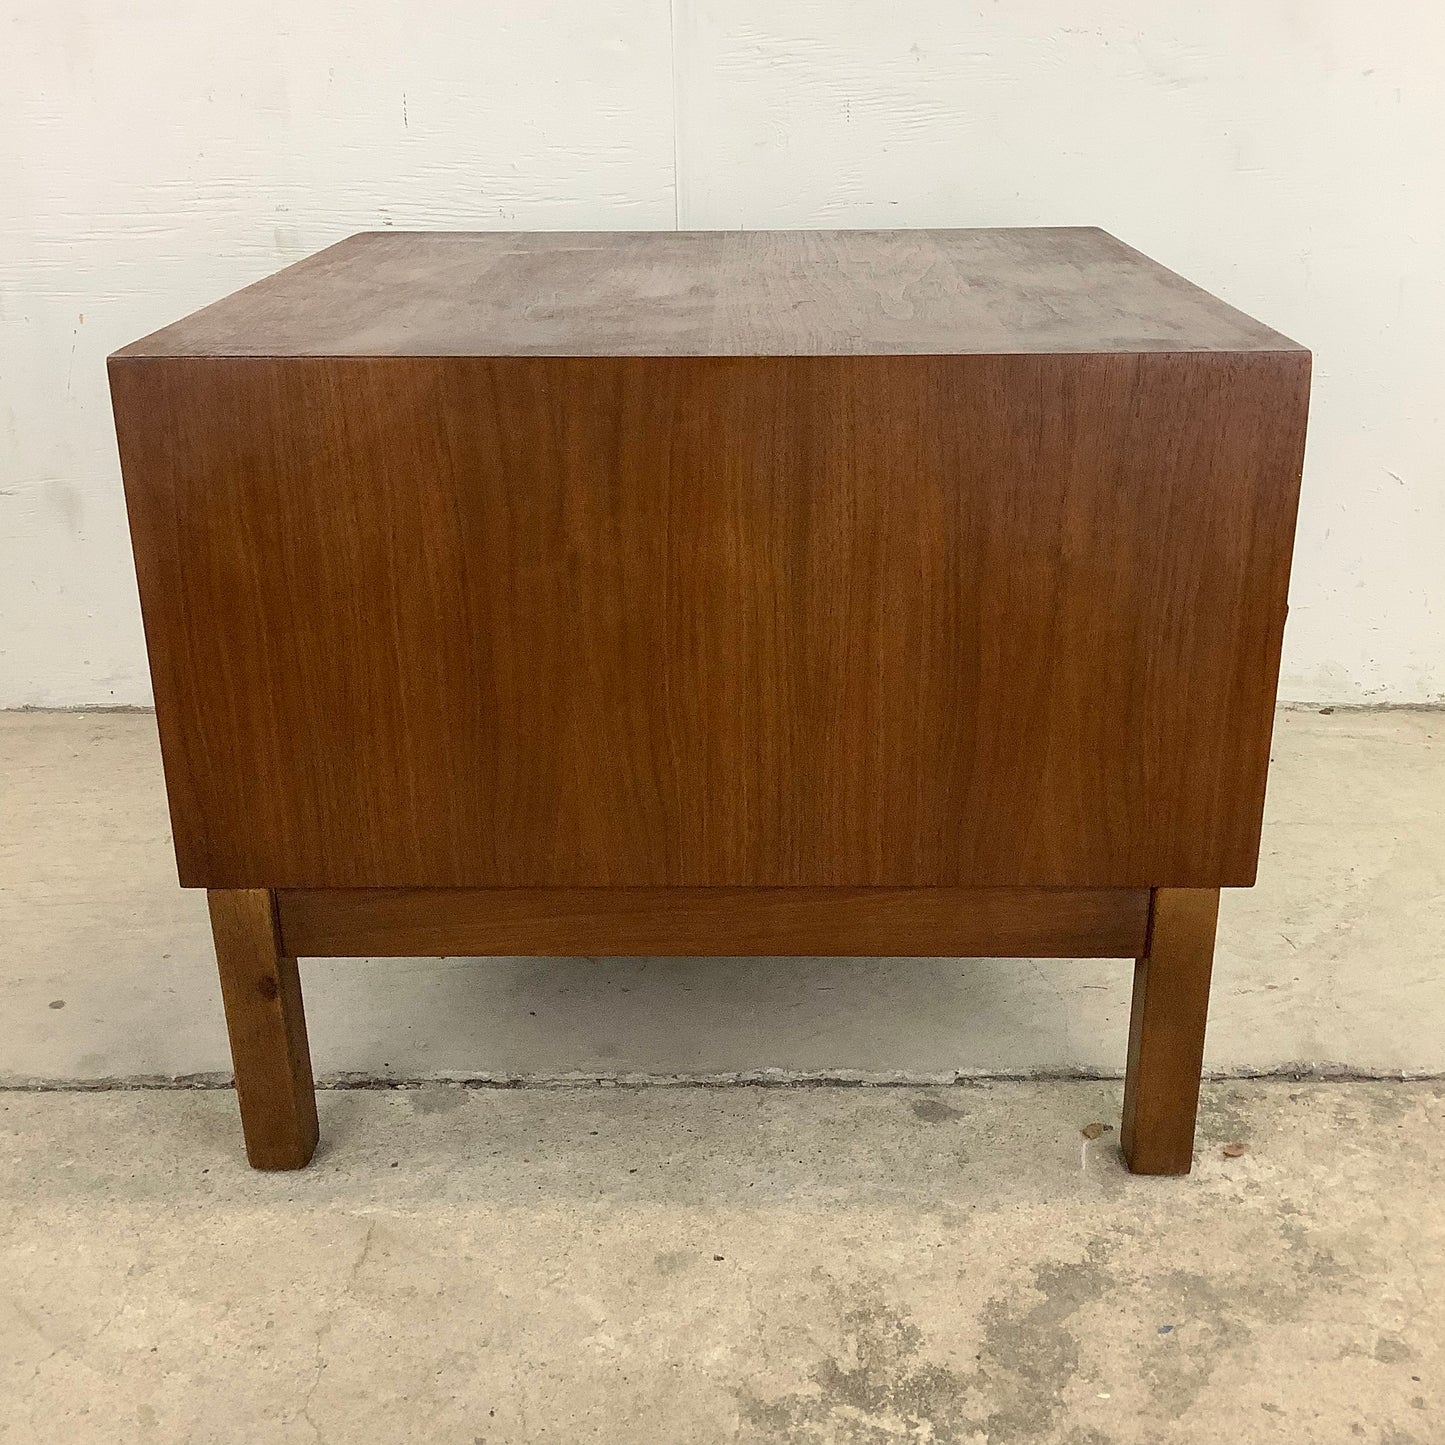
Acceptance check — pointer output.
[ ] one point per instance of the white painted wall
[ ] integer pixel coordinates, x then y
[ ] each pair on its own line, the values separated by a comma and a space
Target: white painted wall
1284, 153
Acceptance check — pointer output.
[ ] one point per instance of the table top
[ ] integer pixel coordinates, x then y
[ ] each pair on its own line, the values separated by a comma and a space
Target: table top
717, 293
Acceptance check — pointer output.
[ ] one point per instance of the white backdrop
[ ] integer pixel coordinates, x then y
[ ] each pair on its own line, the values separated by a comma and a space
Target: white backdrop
1283, 153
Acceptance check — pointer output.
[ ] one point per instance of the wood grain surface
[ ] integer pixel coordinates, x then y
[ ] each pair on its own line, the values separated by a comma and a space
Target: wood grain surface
261, 989
773, 621
717, 293
761, 922
1166, 1032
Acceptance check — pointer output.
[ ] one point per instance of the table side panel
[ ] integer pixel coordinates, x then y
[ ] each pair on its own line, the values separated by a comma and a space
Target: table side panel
842, 621
711, 922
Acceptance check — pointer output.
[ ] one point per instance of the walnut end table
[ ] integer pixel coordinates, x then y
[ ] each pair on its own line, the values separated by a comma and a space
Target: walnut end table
903, 593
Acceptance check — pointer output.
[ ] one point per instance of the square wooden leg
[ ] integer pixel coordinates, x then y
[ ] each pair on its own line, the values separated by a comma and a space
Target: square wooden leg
1166, 1031
261, 989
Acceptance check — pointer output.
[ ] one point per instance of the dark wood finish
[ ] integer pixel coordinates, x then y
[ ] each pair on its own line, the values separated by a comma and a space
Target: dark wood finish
717, 293
261, 989
861, 922
846, 593
812, 620
1166, 1032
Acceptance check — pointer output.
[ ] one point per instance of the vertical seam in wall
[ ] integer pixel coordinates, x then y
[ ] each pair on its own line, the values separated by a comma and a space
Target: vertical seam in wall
672, 67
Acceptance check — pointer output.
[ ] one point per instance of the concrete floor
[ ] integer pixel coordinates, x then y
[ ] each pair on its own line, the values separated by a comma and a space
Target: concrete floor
1335, 960
947, 1264
744, 1264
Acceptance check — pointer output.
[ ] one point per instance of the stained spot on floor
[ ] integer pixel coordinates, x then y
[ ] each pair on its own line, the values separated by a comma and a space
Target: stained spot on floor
878, 1387
934, 1111
883, 1386
670, 1261
1031, 1351
1392, 1350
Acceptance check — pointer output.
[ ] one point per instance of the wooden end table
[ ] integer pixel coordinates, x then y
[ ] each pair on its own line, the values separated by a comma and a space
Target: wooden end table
858, 593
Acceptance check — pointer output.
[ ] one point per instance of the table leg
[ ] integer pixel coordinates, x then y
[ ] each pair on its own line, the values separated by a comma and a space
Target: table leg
1166, 1031
261, 989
